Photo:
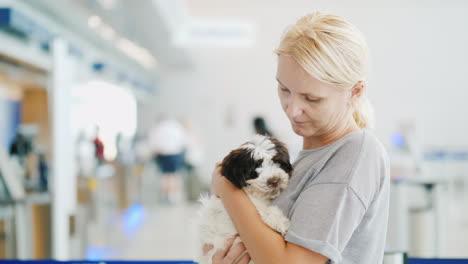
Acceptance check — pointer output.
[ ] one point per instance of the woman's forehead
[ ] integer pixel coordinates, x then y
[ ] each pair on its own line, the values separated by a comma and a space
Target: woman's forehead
292, 76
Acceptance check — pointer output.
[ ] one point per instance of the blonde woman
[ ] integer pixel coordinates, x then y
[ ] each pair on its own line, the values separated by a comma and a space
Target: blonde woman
338, 197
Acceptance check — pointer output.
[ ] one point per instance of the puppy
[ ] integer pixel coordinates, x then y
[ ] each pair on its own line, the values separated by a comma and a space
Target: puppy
262, 168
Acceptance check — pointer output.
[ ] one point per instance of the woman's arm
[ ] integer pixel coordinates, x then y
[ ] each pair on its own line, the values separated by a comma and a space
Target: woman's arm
264, 245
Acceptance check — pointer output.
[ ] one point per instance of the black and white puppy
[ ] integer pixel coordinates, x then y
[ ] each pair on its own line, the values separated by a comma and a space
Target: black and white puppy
262, 168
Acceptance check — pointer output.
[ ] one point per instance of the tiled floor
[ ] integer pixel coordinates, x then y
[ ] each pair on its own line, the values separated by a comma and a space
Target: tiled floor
147, 230
167, 234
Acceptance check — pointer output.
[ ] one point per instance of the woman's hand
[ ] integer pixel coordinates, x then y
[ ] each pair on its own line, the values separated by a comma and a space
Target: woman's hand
220, 186
231, 254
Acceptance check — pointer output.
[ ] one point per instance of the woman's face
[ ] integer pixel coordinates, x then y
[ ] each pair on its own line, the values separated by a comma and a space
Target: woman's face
313, 108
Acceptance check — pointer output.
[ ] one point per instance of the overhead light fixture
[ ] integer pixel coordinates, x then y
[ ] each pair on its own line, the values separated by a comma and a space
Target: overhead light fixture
107, 4
220, 33
138, 53
131, 49
94, 21
107, 32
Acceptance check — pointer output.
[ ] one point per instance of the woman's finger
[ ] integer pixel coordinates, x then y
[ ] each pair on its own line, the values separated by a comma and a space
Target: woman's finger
244, 259
207, 248
235, 253
218, 257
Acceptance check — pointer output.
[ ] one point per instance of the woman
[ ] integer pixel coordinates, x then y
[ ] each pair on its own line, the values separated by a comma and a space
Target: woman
338, 197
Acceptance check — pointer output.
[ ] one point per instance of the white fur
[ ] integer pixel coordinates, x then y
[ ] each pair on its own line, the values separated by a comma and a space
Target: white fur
216, 226
262, 147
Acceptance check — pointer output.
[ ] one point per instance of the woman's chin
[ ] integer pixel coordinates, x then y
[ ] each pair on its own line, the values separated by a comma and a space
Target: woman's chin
303, 131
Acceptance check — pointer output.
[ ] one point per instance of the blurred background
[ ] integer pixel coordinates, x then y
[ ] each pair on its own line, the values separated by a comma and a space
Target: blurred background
90, 89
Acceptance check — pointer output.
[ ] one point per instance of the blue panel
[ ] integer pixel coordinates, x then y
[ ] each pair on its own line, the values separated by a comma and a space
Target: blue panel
39, 32
9, 121
434, 155
98, 66
437, 261
22, 24
75, 51
15, 120
5, 14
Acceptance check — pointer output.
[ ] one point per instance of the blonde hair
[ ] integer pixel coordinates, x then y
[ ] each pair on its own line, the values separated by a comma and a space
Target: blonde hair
333, 51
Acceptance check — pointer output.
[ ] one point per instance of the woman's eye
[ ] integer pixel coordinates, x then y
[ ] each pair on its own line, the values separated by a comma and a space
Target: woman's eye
313, 100
284, 90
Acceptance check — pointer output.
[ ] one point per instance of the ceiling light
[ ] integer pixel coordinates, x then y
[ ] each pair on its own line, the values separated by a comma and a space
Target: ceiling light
107, 32
133, 50
221, 33
94, 21
107, 4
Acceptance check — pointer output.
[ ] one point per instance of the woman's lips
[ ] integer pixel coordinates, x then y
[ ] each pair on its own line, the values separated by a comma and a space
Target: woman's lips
298, 123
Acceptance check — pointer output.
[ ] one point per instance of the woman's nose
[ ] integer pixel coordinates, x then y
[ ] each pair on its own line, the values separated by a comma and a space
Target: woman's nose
293, 109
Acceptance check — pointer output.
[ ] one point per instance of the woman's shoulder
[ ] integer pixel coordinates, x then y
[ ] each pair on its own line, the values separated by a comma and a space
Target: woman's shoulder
362, 143
354, 158
373, 144
358, 161
367, 165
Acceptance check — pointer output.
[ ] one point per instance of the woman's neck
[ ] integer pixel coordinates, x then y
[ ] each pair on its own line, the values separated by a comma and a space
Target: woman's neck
329, 137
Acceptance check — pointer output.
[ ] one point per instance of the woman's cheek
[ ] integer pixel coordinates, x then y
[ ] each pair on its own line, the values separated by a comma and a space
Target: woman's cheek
283, 104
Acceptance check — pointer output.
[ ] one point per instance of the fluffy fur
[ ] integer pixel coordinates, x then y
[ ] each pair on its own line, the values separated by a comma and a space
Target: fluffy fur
262, 168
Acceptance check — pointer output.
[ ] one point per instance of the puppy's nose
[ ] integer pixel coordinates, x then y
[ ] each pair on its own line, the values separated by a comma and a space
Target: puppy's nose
273, 182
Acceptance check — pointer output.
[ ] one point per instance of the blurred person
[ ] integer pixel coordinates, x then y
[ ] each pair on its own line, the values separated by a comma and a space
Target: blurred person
43, 168
24, 151
261, 127
20, 147
338, 197
142, 149
125, 149
193, 154
118, 146
143, 158
85, 155
193, 158
98, 147
168, 141
104, 168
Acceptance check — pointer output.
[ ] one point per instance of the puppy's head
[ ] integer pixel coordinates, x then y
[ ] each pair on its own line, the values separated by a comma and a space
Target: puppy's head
260, 166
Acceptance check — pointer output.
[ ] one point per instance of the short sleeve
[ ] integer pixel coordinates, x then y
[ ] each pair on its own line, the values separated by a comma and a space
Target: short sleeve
324, 218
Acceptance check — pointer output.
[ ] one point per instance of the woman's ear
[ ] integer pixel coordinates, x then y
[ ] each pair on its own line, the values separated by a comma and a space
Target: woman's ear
358, 91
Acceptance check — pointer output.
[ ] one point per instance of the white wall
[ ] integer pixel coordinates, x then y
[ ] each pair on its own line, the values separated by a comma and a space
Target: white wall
418, 65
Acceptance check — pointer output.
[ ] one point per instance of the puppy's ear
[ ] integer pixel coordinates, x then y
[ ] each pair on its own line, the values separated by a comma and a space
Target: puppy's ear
239, 166
282, 156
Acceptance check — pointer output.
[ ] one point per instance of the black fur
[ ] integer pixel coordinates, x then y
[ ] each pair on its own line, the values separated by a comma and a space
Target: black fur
239, 167
282, 156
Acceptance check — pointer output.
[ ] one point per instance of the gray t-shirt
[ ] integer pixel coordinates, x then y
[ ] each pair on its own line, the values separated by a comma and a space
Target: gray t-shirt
338, 200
